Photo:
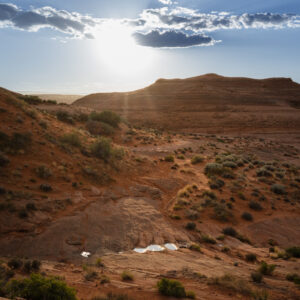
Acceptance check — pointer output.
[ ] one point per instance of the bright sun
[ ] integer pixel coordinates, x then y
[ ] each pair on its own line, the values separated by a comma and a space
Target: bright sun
119, 52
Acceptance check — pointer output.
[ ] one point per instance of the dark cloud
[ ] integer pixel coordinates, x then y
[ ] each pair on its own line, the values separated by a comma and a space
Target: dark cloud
70, 23
171, 39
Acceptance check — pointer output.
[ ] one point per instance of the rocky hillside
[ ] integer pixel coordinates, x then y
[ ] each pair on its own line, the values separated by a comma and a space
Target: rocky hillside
209, 103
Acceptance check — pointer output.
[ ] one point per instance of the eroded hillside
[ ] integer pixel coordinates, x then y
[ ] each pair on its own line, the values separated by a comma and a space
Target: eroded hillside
228, 202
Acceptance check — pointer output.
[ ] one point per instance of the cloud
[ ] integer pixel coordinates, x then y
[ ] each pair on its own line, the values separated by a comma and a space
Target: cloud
171, 39
187, 19
169, 26
166, 2
47, 17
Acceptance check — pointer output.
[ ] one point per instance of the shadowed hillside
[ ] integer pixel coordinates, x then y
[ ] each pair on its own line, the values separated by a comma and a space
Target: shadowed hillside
209, 103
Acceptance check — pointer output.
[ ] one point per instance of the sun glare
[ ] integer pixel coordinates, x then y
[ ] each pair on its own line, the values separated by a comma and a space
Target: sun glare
119, 52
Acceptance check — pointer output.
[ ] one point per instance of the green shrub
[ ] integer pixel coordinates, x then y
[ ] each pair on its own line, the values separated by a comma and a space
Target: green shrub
221, 213
169, 158
102, 148
216, 184
15, 263
197, 159
256, 277
107, 117
250, 257
111, 296
230, 164
126, 276
99, 128
71, 139
91, 276
278, 189
247, 216
30, 99
293, 251
294, 278
208, 239
230, 231
173, 288
43, 172
20, 141
65, 117
263, 172
190, 295
38, 287
190, 226
99, 263
195, 247
255, 205
266, 269
213, 169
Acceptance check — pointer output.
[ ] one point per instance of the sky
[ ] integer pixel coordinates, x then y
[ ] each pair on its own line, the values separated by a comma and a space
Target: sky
82, 47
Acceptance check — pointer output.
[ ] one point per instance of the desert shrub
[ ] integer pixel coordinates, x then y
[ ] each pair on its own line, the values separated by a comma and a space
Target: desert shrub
294, 278
65, 117
82, 117
190, 295
23, 214
99, 263
208, 239
45, 187
212, 169
71, 139
36, 265
102, 148
216, 183
247, 216
230, 231
30, 99
221, 213
278, 189
99, 128
111, 296
230, 164
232, 283
15, 263
266, 269
250, 257
173, 288
31, 206
169, 158
91, 276
127, 276
38, 287
256, 277
190, 226
3, 160
20, 141
293, 251
43, 124
255, 205
43, 172
195, 247
197, 159
263, 172
107, 117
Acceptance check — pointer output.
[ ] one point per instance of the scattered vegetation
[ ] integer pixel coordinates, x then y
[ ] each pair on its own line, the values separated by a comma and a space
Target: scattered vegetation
197, 159
127, 276
39, 287
107, 117
247, 216
173, 288
71, 139
43, 172
293, 251
266, 269
278, 189
169, 158
257, 277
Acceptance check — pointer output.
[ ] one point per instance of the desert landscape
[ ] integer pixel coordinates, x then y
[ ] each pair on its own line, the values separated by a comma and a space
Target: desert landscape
149, 150
87, 188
